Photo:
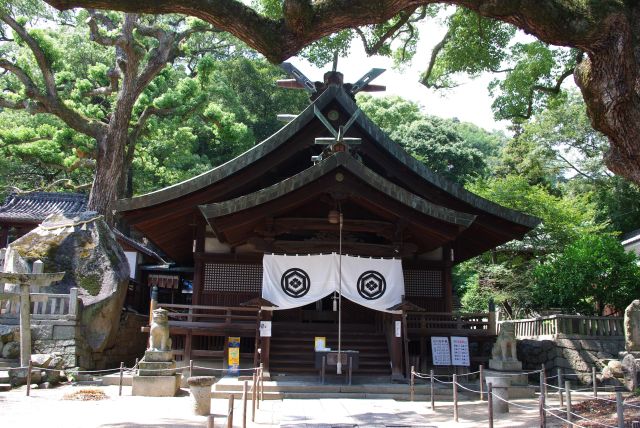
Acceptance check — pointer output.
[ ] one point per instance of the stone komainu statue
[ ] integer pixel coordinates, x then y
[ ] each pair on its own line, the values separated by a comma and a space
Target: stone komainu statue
505, 347
159, 339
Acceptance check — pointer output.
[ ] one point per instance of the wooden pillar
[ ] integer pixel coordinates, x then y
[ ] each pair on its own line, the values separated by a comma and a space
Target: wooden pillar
265, 342
4, 236
25, 325
447, 282
396, 348
198, 279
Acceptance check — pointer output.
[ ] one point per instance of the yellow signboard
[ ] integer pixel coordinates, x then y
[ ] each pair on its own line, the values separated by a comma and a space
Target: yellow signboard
234, 354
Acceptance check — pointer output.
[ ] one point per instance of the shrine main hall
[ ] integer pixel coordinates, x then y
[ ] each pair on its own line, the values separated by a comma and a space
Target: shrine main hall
325, 225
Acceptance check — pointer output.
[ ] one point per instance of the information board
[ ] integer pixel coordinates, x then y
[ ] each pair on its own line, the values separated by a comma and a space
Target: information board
460, 351
265, 328
440, 351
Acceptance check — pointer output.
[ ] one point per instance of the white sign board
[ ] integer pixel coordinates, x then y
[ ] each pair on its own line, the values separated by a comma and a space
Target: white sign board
265, 328
398, 329
440, 351
460, 351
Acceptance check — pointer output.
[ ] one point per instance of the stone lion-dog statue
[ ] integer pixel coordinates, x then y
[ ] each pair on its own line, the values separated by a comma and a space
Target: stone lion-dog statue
505, 347
159, 339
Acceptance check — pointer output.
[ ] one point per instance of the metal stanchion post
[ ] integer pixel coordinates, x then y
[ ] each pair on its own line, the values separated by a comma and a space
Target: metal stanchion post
594, 380
29, 377
258, 390
412, 384
261, 382
253, 398
543, 421
567, 388
544, 380
455, 397
244, 404
490, 403
230, 414
482, 382
433, 399
121, 375
620, 409
560, 386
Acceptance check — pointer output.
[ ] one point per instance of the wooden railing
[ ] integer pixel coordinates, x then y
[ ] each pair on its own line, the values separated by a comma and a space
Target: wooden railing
429, 323
196, 315
186, 321
569, 325
43, 305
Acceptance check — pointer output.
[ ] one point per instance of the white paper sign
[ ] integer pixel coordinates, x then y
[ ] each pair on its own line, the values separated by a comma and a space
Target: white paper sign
265, 328
460, 351
398, 329
440, 351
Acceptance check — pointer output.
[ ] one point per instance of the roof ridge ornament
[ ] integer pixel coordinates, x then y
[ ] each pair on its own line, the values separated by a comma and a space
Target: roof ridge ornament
333, 77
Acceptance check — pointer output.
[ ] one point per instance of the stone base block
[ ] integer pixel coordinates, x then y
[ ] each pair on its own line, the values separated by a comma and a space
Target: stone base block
158, 356
155, 386
505, 365
515, 377
146, 368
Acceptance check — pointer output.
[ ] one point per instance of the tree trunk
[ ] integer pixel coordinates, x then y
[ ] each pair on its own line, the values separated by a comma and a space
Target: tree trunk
107, 179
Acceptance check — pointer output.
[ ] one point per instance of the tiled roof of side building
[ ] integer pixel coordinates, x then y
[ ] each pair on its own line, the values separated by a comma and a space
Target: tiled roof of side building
33, 207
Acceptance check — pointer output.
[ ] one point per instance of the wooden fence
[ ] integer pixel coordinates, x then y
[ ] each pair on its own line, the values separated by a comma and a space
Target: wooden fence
43, 305
444, 323
569, 325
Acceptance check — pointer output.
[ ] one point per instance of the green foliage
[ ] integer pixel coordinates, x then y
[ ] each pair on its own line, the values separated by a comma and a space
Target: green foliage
459, 151
564, 218
589, 274
473, 45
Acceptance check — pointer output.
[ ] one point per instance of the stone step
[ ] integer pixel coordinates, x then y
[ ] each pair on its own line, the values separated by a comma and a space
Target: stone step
238, 395
5, 386
6, 363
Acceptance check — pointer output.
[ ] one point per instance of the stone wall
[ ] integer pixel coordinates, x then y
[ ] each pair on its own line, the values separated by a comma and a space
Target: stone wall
65, 338
576, 354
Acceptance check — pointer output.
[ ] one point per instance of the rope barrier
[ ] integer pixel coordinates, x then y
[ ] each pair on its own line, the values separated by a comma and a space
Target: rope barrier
515, 404
224, 370
468, 389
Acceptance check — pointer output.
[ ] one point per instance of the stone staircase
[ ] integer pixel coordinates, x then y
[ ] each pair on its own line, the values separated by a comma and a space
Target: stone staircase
5, 365
309, 388
292, 348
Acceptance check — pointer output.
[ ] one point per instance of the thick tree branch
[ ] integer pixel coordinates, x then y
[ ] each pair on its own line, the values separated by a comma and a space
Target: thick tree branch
391, 31
149, 111
41, 58
114, 78
432, 62
305, 22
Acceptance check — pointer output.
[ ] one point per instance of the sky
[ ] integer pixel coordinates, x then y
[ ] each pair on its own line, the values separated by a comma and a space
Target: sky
469, 102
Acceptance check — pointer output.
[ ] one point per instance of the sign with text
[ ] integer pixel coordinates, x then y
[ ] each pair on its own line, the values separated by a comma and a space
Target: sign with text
440, 351
320, 343
265, 328
460, 351
234, 355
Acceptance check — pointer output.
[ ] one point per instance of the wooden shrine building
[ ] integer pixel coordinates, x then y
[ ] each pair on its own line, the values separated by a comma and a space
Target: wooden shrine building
283, 196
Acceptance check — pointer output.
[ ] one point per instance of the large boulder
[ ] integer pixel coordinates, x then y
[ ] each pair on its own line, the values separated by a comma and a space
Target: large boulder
632, 327
85, 248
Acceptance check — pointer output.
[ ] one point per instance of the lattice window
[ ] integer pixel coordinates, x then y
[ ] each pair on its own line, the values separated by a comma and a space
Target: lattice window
423, 283
237, 277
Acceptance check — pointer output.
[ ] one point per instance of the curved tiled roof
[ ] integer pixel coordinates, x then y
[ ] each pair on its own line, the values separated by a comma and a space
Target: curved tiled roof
348, 162
36, 206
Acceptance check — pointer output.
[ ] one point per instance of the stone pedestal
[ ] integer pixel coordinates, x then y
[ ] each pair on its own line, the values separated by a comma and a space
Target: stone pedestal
200, 389
505, 365
500, 387
156, 376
